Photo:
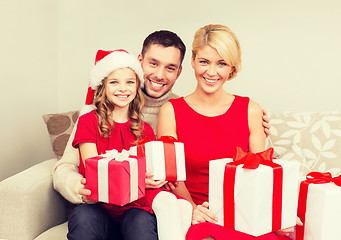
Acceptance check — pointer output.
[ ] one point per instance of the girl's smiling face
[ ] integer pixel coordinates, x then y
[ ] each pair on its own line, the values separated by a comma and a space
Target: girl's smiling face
121, 87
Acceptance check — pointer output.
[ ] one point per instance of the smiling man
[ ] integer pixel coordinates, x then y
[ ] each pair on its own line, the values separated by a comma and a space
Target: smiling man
161, 60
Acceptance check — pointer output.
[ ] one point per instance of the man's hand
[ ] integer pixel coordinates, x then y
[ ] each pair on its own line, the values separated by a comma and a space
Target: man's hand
150, 183
202, 214
170, 186
266, 123
287, 231
85, 193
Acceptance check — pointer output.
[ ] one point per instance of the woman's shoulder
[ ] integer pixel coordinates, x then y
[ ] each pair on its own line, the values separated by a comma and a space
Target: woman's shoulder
255, 109
175, 100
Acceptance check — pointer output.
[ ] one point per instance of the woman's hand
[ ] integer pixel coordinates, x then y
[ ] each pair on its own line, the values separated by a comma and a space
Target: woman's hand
85, 193
201, 214
150, 183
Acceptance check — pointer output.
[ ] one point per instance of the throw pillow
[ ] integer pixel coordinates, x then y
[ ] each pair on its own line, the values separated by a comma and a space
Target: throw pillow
60, 126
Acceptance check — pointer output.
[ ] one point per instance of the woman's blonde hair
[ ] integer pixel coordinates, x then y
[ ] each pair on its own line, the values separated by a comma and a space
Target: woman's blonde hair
223, 40
105, 108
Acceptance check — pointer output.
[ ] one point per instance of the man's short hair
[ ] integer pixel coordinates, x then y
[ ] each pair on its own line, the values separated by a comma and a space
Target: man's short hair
166, 39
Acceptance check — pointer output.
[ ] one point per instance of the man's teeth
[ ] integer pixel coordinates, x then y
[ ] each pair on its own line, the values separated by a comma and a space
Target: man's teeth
155, 84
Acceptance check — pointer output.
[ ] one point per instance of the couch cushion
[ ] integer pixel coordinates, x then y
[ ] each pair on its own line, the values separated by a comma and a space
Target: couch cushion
56, 233
314, 139
60, 126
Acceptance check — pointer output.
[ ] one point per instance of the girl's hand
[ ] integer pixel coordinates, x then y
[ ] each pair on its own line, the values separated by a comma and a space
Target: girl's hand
201, 214
85, 193
150, 183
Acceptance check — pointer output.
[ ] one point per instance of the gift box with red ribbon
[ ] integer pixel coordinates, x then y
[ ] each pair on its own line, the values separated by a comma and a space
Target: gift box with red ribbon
319, 207
116, 178
254, 193
165, 158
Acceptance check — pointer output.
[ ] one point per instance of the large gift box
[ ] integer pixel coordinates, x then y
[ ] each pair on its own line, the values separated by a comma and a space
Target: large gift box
116, 178
319, 207
252, 193
165, 158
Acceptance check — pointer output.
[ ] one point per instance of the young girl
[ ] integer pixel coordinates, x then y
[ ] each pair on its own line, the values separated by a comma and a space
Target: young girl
115, 89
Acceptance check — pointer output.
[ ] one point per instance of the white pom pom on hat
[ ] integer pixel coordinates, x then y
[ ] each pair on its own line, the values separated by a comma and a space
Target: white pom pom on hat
105, 63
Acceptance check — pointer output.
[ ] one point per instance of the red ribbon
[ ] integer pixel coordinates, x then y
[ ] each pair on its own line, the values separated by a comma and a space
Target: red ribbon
252, 161
170, 154
315, 178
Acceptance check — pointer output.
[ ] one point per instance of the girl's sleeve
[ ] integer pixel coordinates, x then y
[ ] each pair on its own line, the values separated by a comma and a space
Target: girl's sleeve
86, 130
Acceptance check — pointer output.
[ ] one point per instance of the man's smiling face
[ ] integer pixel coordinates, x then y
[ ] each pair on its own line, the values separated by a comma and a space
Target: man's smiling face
161, 67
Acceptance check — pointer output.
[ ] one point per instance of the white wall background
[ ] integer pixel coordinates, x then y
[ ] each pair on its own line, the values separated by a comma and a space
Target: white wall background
291, 56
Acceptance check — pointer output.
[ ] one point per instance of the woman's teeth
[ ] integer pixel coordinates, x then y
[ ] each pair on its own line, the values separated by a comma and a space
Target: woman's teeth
211, 80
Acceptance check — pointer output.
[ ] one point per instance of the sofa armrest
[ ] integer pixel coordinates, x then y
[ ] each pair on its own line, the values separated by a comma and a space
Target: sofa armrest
29, 205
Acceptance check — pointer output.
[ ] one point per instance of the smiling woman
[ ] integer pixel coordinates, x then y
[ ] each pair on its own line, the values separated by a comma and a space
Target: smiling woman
228, 119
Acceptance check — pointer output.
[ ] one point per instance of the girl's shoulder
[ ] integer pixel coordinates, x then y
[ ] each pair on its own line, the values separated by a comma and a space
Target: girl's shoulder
88, 117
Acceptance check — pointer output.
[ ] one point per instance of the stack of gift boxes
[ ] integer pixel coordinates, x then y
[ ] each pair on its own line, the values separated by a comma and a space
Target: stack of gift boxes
256, 194
251, 193
119, 177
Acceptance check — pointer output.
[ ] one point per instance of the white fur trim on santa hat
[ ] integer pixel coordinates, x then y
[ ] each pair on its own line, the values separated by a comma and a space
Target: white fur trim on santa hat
111, 62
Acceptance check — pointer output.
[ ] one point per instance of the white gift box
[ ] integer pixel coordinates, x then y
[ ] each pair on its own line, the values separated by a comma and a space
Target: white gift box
253, 195
323, 212
156, 160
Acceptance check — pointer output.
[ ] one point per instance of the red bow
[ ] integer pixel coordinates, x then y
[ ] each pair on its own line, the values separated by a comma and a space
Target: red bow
144, 140
252, 160
318, 178
167, 139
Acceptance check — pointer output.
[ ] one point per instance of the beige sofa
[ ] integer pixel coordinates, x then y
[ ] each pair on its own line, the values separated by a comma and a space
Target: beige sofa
31, 209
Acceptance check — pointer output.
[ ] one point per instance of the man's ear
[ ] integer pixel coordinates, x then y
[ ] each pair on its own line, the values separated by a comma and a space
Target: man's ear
139, 57
179, 71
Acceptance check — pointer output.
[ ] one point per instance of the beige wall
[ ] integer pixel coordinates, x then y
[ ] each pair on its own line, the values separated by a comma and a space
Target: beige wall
291, 55
28, 63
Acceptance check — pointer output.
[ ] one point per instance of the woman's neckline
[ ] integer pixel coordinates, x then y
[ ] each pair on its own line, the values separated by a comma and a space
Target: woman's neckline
216, 115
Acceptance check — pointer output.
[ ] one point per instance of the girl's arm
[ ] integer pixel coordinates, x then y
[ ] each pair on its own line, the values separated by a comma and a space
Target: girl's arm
87, 150
166, 126
257, 135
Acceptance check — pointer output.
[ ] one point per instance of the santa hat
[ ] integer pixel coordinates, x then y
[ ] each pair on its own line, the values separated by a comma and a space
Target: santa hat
105, 63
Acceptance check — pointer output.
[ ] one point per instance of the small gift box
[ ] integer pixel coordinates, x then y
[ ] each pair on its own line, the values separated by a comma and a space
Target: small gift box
319, 207
255, 198
116, 178
165, 158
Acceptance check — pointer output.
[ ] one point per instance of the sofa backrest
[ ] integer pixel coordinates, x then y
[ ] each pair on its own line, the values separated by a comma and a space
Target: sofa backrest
313, 139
